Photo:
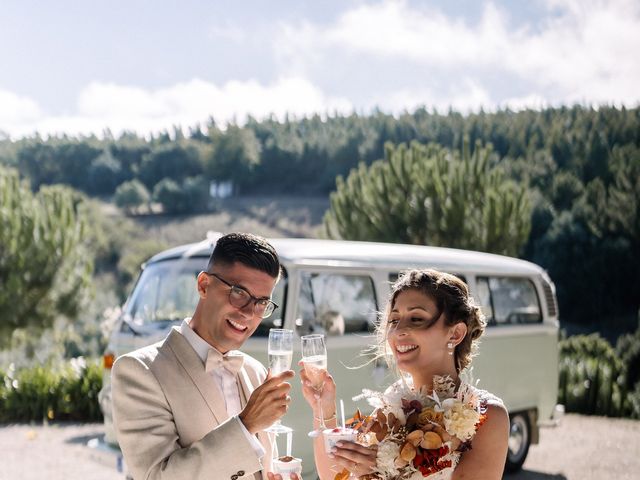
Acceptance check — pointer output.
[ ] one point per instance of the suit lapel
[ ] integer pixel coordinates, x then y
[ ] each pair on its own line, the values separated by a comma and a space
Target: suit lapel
194, 367
246, 386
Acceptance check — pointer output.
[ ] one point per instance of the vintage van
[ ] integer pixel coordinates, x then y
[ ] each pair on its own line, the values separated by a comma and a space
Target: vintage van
337, 287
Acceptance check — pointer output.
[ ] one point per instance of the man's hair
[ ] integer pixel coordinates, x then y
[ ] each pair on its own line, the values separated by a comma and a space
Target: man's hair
248, 249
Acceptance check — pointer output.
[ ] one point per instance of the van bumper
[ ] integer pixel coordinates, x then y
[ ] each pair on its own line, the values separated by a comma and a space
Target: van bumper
556, 417
106, 454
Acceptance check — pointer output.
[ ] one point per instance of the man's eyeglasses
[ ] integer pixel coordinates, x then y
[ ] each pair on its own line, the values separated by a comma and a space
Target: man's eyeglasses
240, 298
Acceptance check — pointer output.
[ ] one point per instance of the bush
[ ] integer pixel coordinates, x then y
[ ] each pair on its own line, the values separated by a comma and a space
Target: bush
67, 391
628, 350
633, 402
191, 195
131, 195
591, 377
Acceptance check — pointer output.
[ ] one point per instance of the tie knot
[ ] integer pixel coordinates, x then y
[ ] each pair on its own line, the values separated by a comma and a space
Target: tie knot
231, 361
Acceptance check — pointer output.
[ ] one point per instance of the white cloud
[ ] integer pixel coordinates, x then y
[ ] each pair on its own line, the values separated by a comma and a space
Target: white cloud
581, 51
17, 109
120, 108
466, 97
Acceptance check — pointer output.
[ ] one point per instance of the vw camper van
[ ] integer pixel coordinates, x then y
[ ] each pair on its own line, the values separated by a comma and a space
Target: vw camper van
338, 288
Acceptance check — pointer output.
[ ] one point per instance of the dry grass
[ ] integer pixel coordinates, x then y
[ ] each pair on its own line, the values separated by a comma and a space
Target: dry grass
272, 216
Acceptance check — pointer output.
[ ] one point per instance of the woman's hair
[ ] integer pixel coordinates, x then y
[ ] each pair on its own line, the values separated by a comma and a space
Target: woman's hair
452, 299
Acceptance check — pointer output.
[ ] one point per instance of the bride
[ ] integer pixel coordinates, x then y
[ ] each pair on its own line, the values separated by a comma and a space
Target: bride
431, 326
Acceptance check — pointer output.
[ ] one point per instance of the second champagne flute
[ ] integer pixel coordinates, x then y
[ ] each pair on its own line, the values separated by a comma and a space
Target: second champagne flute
280, 351
314, 358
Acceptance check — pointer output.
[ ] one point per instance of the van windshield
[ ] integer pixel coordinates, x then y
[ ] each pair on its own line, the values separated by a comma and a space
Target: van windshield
166, 292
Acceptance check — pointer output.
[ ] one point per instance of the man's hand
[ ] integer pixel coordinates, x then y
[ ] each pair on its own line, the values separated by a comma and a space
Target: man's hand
267, 403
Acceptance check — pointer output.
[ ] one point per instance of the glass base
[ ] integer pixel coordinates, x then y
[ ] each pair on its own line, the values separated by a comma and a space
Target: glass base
278, 428
314, 433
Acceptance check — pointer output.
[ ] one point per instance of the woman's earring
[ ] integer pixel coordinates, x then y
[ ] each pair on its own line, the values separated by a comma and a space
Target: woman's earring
450, 348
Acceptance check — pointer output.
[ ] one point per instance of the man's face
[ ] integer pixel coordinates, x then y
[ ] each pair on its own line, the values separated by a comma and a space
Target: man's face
224, 326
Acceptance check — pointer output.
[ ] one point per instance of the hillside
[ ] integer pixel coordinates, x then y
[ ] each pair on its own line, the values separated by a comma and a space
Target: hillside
269, 216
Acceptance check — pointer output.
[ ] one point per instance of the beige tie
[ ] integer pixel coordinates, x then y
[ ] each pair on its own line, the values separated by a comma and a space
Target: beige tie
232, 361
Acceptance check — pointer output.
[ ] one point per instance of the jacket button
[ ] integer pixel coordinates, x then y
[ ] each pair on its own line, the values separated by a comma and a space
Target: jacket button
234, 477
240, 473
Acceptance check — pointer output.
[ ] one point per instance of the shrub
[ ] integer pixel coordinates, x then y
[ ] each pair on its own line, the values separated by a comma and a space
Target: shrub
628, 350
591, 377
191, 195
67, 391
170, 195
131, 195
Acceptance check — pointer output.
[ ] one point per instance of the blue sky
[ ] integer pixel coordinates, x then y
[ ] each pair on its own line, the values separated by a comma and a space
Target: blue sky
80, 67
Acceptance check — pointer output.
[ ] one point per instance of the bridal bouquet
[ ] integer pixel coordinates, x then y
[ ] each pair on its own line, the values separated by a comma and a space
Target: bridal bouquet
420, 435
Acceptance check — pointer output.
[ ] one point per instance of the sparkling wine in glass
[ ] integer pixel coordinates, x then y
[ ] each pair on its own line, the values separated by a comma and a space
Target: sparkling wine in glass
314, 358
280, 351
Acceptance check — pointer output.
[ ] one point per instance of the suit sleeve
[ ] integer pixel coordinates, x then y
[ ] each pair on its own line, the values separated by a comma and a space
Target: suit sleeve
147, 433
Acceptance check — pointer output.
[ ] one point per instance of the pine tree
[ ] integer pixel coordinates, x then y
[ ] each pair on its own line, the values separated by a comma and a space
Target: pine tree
45, 268
429, 195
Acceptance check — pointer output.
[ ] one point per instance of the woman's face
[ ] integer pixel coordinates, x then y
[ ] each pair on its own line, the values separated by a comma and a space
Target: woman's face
417, 333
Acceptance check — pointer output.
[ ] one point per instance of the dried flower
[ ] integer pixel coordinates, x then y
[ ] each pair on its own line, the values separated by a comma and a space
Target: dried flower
429, 415
431, 440
461, 421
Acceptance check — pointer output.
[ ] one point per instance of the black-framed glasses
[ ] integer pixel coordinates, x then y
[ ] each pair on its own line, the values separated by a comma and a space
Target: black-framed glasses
240, 298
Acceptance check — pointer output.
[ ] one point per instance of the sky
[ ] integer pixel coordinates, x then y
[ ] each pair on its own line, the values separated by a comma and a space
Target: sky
81, 67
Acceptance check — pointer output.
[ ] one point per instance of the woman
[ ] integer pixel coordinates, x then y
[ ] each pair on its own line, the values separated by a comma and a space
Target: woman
431, 326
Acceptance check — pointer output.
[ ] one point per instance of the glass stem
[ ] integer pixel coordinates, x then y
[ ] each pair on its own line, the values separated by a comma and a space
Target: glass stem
322, 425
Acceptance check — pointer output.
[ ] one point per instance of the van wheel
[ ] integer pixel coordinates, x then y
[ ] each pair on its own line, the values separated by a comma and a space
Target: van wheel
519, 441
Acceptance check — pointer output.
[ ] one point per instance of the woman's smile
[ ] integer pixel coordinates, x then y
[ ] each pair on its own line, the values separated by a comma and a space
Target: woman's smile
405, 348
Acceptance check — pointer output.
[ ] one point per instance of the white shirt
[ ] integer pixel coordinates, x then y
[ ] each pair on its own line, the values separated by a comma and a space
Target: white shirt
225, 380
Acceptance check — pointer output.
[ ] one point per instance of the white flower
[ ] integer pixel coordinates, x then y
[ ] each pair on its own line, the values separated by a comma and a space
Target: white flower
386, 457
461, 420
393, 396
448, 403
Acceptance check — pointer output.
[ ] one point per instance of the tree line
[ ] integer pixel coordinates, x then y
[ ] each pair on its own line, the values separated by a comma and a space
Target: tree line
573, 172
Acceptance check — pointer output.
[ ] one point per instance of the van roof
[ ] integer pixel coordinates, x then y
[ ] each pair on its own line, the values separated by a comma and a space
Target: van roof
382, 255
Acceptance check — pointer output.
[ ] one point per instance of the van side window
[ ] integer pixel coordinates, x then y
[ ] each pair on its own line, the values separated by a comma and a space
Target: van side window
508, 300
335, 304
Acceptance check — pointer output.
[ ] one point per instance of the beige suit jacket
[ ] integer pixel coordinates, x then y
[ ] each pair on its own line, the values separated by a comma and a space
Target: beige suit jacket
170, 416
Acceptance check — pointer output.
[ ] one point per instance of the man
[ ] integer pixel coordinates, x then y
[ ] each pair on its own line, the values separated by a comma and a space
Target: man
192, 406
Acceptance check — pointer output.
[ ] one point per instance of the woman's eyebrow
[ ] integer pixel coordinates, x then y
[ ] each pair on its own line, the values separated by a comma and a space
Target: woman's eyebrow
416, 307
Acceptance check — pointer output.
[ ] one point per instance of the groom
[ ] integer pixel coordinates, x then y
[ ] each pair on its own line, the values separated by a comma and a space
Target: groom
192, 406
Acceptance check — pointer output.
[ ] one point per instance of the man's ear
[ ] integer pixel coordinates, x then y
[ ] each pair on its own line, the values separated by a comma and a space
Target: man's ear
458, 332
203, 282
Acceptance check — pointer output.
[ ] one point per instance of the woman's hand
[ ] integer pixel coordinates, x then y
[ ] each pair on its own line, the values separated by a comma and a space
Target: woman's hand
277, 476
324, 396
356, 458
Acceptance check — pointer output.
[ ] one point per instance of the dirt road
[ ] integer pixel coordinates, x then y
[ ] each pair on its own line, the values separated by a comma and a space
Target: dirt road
582, 448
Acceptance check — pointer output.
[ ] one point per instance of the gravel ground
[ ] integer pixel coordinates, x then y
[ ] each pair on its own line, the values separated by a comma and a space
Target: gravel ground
581, 448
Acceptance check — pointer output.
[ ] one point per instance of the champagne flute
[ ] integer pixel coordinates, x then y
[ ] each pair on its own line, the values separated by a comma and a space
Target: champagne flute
314, 358
280, 351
